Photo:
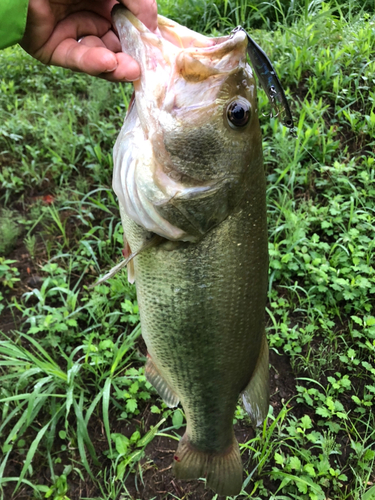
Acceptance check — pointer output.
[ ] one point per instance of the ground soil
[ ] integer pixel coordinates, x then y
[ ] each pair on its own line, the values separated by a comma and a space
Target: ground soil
153, 478
156, 480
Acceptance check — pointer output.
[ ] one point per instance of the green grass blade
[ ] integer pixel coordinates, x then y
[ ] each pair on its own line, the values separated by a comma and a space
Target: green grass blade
106, 398
92, 407
31, 453
82, 430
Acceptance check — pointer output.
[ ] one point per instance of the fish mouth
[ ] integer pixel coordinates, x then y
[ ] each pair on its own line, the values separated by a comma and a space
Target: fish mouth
196, 56
185, 82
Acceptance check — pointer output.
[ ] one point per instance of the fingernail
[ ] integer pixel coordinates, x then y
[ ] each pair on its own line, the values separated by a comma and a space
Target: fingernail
110, 70
131, 79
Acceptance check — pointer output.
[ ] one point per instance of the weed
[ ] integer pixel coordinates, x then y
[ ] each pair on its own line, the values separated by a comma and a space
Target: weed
9, 230
8, 275
30, 244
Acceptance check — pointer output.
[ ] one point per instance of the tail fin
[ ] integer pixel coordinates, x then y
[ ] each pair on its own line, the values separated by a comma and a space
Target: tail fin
223, 471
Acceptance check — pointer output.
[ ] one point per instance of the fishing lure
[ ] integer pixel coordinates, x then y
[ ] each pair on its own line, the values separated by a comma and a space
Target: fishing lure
268, 79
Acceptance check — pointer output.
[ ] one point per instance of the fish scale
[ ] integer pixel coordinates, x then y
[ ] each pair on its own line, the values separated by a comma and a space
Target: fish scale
189, 335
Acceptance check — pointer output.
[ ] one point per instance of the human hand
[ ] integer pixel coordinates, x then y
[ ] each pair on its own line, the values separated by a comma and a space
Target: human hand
54, 27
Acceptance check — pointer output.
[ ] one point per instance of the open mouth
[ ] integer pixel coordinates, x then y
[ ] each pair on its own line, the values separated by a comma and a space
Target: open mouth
178, 37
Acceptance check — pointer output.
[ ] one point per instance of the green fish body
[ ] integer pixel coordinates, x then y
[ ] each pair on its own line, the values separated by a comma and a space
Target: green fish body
188, 168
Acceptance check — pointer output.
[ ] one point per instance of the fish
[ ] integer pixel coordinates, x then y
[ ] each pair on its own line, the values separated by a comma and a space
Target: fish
189, 178
268, 79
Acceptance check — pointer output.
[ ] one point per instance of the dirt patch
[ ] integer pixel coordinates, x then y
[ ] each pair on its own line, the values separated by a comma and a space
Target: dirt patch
282, 381
11, 317
152, 477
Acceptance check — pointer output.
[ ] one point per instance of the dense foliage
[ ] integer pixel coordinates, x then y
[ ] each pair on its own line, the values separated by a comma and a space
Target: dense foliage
76, 409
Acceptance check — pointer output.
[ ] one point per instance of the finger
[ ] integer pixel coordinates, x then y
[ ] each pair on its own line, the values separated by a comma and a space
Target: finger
94, 59
111, 41
127, 70
70, 29
91, 41
145, 10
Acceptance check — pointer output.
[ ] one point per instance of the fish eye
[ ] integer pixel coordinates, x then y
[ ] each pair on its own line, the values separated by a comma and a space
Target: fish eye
238, 113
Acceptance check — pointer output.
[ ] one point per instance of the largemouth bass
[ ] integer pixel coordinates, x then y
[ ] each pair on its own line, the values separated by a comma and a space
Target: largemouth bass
188, 174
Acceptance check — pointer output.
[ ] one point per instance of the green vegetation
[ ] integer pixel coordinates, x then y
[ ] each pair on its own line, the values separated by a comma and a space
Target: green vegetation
9, 231
77, 414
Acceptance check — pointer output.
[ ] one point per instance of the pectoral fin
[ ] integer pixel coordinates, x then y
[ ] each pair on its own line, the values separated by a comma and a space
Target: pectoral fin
256, 395
152, 242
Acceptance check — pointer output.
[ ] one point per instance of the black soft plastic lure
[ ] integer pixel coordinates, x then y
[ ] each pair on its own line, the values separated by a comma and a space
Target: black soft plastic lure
268, 79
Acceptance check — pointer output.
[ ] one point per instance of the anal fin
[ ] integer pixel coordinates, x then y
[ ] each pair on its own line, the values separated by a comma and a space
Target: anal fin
256, 395
156, 379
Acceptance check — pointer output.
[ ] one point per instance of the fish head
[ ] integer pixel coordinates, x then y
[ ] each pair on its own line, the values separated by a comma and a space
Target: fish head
195, 111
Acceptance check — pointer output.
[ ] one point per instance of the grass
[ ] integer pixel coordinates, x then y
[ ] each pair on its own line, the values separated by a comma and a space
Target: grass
78, 419
9, 230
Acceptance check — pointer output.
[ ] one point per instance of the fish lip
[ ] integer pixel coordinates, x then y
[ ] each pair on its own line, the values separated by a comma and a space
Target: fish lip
226, 45
222, 45
120, 9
